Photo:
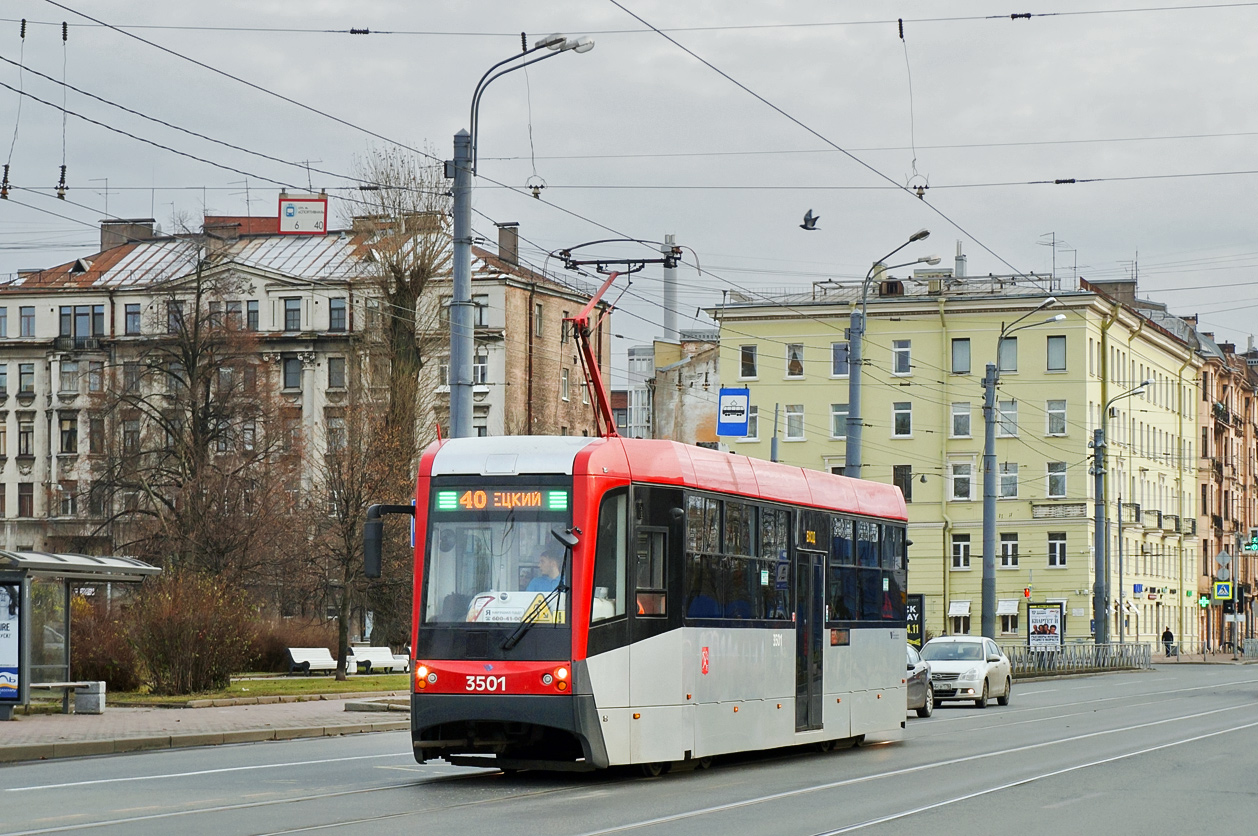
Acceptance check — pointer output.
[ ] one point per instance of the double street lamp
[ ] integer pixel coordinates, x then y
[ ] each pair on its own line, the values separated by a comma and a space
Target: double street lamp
990, 381
461, 169
855, 356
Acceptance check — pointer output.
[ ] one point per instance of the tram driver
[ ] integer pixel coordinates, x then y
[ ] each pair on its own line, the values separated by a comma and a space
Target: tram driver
547, 577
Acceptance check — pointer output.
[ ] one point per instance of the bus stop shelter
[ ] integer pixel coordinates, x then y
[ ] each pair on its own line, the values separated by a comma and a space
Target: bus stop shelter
35, 593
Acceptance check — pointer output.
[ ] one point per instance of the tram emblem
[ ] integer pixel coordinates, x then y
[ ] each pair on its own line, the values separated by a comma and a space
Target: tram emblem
703, 661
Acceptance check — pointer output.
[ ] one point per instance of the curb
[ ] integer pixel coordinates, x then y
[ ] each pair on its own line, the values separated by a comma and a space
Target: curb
79, 749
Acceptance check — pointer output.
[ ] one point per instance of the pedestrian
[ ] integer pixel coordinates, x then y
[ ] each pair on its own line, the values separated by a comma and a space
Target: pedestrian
1168, 638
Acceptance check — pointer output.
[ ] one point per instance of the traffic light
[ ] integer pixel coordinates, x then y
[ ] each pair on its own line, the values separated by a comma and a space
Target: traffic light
1229, 606
1026, 592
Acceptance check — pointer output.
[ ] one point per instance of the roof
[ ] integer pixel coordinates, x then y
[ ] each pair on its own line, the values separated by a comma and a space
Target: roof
77, 566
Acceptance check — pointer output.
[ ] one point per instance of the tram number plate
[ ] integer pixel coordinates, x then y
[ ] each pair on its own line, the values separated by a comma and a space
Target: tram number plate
486, 683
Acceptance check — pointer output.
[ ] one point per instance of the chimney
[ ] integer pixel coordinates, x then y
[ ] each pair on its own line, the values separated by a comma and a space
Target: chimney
959, 269
115, 232
509, 241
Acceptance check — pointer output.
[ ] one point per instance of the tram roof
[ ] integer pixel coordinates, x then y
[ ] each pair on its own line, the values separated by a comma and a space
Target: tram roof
667, 463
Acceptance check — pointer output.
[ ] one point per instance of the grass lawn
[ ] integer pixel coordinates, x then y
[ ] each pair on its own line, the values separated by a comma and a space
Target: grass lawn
273, 687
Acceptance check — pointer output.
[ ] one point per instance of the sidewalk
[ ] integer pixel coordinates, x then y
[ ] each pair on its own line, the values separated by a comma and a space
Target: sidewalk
125, 729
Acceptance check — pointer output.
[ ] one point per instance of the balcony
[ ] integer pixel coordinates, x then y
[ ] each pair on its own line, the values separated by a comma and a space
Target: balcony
1130, 513
1190, 525
1170, 522
1059, 510
77, 344
1217, 522
1152, 520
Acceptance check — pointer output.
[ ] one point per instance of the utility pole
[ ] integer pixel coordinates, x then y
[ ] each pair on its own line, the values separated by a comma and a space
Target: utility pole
461, 335
1100, 614
989, 501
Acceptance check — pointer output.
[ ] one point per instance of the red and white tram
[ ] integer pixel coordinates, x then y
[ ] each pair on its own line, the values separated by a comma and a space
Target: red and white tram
706, 603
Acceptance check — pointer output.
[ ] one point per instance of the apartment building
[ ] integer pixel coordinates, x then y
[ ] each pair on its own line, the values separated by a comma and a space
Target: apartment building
928, 342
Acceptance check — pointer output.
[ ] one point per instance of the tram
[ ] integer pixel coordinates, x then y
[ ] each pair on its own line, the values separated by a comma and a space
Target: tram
587, 602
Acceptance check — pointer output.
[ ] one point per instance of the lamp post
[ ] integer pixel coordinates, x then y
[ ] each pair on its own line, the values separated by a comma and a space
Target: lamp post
990, 381
855, 354
461, 169
1100, 543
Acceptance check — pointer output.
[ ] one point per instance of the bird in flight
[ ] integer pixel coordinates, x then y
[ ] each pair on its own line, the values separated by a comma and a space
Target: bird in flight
810, 221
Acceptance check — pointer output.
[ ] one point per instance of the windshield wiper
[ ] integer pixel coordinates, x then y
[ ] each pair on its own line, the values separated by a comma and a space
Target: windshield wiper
530, 618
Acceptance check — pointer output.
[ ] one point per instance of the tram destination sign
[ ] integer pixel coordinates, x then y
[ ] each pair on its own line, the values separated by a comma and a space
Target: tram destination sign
493, 499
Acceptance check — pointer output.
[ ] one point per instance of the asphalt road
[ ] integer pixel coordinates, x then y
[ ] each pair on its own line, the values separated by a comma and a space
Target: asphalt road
1174, 750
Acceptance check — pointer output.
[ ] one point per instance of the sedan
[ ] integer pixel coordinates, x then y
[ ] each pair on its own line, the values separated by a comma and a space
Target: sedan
968, 668
921, 691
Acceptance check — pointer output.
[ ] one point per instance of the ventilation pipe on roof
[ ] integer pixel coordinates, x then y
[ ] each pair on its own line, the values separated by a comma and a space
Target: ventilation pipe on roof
959, 270
509, 241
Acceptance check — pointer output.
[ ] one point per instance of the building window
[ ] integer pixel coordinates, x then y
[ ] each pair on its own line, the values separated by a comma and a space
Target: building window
480, 312
794, 422
1056, 417
901, 356
82, 321
1057, 550
902, 478
292, 373
251, 315
563, 384
131, 435
1007, 355
174, 317
1057, 354
4, 448
901, 419
480, 370
69, 377
96, 436
26, 499
1008, 551
338, 319
131, 323
565, 329
753, 423
1056, 480
234, 310
26, 378
747, 361
336, 433
26, 438
26, 316
4, 378
960, 551
69, 434
68, 494
537, 319
1009, 624
130, 377
1008, 413
795, 360
292, 314
95, 376
961, 476
961, 420
961, 356
4, 321
960, 625
1008, 480
838, 420
839, 359
336, 372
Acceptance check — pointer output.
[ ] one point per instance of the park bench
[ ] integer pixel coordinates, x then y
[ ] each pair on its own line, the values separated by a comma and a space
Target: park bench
309, 659
375, 659
93, 693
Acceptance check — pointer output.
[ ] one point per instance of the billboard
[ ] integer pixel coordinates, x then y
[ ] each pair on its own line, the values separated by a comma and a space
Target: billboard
304, 215
10, 616
915, 614
1044, 626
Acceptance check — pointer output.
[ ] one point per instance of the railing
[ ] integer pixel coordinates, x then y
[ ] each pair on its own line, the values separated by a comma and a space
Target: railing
1078, 658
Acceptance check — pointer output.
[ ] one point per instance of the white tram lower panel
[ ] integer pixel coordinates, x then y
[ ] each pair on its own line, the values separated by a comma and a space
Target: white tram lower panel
707, 691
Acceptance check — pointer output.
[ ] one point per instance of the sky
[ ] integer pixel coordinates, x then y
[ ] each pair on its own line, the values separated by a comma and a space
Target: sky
720, 122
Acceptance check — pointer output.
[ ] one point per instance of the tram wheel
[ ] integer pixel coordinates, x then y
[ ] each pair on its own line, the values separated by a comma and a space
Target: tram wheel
653, 770
705, 763
825, 746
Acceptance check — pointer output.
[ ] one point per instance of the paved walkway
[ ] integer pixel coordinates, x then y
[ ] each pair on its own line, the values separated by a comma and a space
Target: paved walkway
123, 729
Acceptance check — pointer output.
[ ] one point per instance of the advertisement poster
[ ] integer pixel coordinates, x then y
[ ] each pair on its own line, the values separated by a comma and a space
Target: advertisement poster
10, 600
1044, 626
914, 612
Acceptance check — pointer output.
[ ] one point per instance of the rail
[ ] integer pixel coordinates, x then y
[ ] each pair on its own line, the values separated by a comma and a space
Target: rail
1079, 658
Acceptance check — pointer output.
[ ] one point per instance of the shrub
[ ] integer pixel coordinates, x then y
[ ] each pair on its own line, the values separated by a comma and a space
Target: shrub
191, 631
273, 639
99, 649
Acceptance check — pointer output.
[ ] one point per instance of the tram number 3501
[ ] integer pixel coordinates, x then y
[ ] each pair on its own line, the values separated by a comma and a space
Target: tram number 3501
486, 683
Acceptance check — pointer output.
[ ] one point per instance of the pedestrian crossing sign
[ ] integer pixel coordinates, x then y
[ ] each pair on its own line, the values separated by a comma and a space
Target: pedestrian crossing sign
1223, 590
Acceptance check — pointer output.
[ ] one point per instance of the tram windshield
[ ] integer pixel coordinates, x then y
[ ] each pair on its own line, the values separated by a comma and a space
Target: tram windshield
491, 556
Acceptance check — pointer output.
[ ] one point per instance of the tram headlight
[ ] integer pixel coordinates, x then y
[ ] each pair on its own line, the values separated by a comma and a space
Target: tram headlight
547, 679
561, 673
421, 677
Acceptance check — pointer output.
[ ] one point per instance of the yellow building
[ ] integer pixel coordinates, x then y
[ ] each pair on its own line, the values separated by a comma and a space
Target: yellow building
927, 343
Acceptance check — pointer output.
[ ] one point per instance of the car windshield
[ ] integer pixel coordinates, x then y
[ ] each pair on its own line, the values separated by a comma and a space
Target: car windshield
953, 652
491, 557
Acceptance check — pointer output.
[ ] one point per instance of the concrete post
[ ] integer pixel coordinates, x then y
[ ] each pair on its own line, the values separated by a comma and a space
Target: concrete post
989, 501
1100, 610
461, 343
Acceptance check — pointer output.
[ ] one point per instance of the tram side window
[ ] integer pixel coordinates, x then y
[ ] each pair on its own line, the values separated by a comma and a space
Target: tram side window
843, 593
775, 527
609, 557
892, 547
652, 546
867, 544
703, 519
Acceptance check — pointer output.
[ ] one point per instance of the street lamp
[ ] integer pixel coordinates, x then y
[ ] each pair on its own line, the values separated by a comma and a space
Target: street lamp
1100, 542
990, 381
461, 169
852, 454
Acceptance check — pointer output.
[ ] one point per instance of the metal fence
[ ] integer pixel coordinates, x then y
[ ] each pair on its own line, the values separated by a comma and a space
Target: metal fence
1079, 658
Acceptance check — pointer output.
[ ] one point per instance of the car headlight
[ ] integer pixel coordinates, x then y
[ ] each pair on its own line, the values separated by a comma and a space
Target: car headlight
972, 674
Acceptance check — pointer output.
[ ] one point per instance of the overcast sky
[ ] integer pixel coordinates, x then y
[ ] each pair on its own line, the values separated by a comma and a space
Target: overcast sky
800, 105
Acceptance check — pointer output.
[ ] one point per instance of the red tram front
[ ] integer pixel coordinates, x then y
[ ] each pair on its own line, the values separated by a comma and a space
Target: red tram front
581, 603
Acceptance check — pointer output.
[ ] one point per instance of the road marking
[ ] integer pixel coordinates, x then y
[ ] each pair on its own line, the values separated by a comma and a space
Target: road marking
1022, 693
201, 772
1024, 781
909, 770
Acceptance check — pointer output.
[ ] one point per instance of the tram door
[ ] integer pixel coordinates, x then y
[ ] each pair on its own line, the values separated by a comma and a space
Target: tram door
809, 623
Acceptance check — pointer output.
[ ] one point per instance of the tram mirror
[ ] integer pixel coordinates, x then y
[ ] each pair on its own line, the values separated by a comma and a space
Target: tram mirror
566, 537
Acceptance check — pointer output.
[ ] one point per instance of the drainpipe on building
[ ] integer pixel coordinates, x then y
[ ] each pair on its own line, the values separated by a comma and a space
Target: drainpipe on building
1179, 488
530, 325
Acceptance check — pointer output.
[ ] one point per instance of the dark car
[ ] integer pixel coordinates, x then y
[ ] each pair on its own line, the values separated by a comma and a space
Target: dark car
920, 690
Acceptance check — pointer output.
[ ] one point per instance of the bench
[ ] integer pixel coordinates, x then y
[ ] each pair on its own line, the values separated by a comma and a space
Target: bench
375, 659
308, 659
93, 695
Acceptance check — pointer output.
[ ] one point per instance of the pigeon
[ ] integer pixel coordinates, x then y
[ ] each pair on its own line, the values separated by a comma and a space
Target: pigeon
810, 221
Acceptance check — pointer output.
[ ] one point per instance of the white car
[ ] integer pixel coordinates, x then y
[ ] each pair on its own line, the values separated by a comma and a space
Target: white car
968, 668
